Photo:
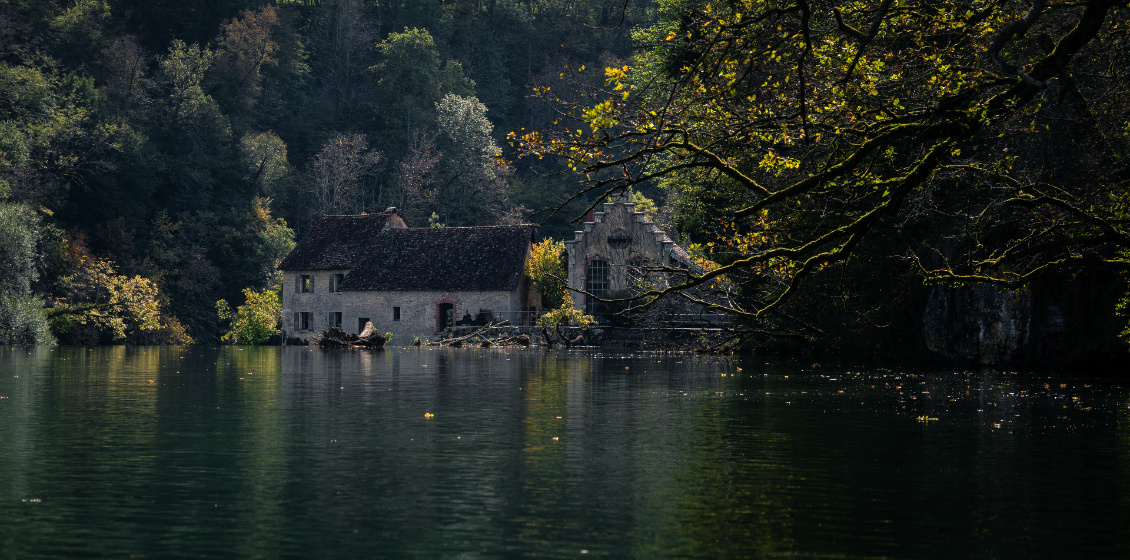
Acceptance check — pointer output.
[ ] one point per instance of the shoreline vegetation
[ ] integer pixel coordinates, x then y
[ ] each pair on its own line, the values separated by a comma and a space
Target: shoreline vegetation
944, 181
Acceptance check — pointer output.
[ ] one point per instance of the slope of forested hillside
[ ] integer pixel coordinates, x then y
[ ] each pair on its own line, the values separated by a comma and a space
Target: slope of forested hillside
158, 156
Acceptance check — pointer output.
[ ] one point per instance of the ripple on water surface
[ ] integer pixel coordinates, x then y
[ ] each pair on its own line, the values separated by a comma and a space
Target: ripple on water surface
424, 452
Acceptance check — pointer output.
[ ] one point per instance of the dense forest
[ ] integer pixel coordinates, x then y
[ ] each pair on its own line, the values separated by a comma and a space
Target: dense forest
885, 177
159, 156
880, 177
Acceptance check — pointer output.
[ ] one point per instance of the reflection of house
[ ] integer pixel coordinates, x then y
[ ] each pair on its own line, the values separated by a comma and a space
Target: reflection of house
409, 281
616, 244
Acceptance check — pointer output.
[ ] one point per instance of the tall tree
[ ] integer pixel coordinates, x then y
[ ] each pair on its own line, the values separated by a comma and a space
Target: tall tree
471, 185
799, 135
194, 131
341, 42
23, 320
244, 48
412, 78
339, 176
264, 160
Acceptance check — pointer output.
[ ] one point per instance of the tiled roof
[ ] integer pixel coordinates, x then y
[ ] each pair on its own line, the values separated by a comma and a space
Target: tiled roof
467, 258
681, 255
337, 241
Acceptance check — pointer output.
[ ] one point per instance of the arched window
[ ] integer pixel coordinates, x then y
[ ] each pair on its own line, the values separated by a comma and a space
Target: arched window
596, 282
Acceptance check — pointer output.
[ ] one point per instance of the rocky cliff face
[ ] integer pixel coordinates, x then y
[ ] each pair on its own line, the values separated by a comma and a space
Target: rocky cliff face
981, 324
1061, 320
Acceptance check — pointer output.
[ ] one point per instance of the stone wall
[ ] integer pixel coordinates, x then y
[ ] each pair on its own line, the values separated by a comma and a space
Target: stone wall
320, 301
618, 234
418, 309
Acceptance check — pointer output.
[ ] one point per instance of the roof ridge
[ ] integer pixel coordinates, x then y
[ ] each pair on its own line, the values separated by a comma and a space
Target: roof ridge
466, 227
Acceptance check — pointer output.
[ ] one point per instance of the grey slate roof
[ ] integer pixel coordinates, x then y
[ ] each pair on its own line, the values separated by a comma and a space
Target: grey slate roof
681, 256
335, 242
467, 258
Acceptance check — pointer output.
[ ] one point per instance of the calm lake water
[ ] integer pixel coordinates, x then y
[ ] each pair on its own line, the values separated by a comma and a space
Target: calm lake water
305, 453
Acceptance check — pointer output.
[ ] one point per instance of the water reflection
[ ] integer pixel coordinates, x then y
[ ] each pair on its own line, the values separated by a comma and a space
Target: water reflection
298, 452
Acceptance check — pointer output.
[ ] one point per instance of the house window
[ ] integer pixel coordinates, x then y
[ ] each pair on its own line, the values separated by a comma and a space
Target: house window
302, 321
395, 313
334, 320
596, 282
361, 324
335, 282
303, 284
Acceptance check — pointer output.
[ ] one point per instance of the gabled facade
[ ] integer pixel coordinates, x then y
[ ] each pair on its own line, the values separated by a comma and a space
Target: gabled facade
412, 282
616, 243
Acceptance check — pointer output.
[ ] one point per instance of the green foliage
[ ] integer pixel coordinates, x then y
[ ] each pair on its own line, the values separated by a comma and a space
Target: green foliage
546, 269
411, 78
464, 124
197, 135
254, 322
565, 315
111, 307
153, 135
244, 48
433, 221
263, 156
250, 247
19, 255
470, 186
645, 205
798, 142
79, 31
175, 256
22, 317
184, 67
24, 92
23, 321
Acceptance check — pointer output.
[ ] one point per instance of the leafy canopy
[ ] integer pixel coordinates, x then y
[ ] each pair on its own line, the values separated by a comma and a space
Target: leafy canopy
254, 322
972, 139
546, 270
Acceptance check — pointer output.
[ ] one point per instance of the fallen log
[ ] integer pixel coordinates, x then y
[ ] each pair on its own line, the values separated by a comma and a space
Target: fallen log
519, 339
458, 341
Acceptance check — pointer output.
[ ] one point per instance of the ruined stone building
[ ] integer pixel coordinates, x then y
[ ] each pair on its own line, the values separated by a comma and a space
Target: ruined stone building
616, 245
412, 282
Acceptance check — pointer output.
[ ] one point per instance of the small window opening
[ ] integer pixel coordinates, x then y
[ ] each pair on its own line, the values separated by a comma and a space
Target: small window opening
304, 321
305, 284
395, 313
361, 324
335, 282
334, 320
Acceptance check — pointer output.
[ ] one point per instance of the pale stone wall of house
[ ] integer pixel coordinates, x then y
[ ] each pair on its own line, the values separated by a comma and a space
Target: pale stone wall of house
419, 310
633, 236
320, 301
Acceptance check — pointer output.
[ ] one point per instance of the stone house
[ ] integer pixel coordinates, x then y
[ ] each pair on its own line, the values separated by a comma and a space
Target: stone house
616, 245
412, 282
